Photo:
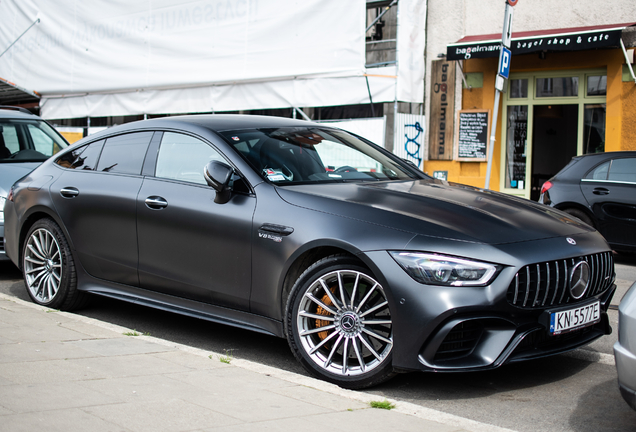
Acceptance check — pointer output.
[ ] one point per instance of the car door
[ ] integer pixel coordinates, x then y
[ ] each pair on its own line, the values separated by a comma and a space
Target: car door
190, 246
610, 190
96, 198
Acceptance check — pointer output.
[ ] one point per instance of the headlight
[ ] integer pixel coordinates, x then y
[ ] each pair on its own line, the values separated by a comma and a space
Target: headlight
433, 269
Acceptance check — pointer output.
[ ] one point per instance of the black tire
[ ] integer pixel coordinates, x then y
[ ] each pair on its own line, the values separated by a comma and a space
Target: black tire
581, 215
355, 348
49, 269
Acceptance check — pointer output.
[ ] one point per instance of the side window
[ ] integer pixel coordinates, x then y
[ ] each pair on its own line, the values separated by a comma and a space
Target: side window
600, 172
125, 153
43, 143
83, 158
10, 137
623, 170
182, 157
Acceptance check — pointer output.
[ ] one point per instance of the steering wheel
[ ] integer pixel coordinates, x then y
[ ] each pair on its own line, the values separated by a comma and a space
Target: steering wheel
345, 168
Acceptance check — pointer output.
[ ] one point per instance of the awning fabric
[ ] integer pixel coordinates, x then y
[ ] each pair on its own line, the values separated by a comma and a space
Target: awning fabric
117, 57
566, 39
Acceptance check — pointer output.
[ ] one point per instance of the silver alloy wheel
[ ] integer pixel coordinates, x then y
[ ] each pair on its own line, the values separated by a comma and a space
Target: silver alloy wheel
344, 323
43, 265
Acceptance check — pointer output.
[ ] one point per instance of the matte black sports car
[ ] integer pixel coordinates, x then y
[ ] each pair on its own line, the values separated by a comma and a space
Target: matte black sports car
599, 189
366, 265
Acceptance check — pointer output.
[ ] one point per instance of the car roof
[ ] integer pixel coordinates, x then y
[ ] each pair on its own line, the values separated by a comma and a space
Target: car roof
12, 112
609, 155
213, 122
582, 164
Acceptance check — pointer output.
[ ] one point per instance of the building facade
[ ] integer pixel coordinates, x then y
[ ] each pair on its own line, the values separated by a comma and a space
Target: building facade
570, 90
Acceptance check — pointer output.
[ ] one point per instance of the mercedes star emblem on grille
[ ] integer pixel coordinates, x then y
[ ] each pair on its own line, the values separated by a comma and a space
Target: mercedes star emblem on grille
579, 279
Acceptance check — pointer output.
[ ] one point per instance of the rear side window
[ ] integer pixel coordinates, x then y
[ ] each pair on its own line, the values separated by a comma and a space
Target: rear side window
600, 172
82, 158
618, 170
623, 170
125, 154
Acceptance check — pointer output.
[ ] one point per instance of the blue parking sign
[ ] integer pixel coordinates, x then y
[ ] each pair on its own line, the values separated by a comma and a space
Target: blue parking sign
504, 62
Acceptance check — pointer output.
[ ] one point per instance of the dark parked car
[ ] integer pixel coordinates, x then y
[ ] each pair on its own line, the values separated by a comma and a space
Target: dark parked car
25, 142
366, 265
599, 189
625, 347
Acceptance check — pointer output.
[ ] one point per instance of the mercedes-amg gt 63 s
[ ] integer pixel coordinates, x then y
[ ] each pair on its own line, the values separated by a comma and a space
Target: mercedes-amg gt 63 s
366, 266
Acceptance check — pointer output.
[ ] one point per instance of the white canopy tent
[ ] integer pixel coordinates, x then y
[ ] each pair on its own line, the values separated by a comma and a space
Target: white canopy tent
96, 58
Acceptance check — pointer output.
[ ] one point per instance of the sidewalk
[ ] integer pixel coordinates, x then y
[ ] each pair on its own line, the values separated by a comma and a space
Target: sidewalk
65, 372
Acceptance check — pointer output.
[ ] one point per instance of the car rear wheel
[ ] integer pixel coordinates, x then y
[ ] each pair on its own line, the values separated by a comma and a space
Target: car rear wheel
339, 325
49, 269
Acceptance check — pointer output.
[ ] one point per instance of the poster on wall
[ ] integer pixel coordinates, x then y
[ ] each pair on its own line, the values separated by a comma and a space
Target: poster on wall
440, 137
473, 132
409, 138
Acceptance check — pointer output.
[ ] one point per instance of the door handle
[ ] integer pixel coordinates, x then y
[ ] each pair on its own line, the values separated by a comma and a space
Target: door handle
601, 191
276, 229
69, 192
156, 202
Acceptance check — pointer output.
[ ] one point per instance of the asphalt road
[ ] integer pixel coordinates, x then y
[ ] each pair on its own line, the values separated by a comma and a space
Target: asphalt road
560, 393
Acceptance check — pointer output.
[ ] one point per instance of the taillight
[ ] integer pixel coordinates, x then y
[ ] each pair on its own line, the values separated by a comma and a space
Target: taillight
546, 186
10, 197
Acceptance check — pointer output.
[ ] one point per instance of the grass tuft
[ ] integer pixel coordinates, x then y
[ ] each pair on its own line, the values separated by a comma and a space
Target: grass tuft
385, 404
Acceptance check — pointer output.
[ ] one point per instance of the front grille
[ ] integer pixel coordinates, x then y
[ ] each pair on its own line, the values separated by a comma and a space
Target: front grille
1, 244
460, 341
546, 284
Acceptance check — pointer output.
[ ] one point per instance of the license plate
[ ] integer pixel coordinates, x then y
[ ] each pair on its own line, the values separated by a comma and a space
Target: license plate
572, 319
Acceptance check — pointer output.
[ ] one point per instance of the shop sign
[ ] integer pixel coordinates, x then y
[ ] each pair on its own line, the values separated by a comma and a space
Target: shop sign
440, 137
556, 42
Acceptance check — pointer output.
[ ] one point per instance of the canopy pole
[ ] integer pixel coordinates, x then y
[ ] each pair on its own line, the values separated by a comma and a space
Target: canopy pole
381, 15
370, 98
23, 33
305, 116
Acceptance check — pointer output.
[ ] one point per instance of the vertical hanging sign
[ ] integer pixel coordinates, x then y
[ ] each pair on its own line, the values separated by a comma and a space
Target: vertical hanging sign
442, 112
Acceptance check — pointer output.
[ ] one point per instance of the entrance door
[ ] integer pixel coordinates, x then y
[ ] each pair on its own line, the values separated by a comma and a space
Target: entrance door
547, 118
554, 142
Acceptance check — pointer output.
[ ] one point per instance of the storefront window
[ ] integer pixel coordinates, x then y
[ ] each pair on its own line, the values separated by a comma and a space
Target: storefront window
519, 88
517, 133
594, 128
597, 85
557, 87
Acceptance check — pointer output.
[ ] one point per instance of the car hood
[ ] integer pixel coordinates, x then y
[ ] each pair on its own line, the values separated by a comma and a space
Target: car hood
12, 172
437, 209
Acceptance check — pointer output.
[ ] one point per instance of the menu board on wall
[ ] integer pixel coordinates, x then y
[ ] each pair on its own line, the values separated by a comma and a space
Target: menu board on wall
473, 134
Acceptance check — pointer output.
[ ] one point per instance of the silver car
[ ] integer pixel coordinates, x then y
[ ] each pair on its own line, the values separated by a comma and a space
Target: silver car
25, 142
625, 348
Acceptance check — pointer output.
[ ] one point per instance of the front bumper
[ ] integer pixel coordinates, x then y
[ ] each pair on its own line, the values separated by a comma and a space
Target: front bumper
451, 329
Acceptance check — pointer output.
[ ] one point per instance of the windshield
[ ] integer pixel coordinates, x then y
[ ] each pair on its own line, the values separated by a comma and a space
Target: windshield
313, 154
28, 141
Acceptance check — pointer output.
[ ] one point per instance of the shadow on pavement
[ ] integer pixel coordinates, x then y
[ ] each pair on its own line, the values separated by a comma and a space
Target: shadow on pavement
603, 409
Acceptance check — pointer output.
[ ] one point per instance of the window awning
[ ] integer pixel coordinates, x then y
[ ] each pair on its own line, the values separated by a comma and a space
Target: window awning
566, 39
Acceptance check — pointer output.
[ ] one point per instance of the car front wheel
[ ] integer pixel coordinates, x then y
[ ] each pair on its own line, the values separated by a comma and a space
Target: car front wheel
49, 269
339, 323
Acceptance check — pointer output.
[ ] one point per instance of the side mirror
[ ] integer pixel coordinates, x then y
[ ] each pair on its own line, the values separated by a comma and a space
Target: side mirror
218, 175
